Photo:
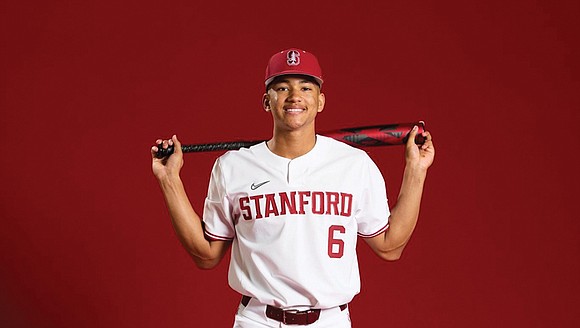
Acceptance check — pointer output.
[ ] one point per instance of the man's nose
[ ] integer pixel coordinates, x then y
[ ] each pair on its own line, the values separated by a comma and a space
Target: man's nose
294, 95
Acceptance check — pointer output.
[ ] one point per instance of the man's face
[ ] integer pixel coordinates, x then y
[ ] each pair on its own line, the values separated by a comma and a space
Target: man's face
294, 101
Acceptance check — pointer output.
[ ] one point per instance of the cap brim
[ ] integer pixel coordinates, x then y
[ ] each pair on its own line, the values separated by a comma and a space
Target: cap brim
271, 78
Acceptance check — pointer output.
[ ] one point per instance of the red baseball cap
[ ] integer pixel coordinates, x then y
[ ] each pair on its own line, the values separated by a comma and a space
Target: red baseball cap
293, 61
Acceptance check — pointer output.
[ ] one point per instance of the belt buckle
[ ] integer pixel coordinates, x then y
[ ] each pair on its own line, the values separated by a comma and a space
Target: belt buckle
296, 313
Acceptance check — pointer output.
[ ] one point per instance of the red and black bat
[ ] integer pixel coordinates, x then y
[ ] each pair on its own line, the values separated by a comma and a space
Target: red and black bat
366, 136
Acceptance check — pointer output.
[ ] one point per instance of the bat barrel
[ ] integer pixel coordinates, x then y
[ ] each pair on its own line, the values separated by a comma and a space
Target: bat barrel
379, 135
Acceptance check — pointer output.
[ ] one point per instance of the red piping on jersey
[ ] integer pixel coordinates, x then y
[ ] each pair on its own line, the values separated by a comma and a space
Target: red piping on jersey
374, 234
216, 237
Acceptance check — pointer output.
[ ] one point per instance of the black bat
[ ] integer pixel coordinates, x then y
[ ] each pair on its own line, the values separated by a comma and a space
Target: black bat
366, 136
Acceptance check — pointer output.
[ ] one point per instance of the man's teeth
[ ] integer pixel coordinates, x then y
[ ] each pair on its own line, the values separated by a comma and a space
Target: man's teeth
294, 109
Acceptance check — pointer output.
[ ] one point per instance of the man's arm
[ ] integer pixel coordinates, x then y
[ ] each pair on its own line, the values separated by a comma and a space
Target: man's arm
187, 224
390, 244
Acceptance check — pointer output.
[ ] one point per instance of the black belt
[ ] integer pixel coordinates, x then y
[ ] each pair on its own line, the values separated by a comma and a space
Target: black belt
291, 317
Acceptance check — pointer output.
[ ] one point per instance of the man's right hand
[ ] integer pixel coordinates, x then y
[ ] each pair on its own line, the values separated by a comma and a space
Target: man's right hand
169, 166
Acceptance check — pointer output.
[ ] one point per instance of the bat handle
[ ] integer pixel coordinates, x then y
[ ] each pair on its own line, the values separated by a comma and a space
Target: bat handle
164, 152
230, 145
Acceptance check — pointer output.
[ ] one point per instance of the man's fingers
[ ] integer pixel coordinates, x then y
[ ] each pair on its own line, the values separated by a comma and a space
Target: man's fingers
176, 144
161, 144
412, 135
427, 136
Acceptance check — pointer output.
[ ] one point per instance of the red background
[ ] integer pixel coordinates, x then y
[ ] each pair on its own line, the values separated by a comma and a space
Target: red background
87, 86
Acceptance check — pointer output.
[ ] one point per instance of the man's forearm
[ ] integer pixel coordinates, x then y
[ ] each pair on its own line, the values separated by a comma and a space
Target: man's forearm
404, 215
186, 222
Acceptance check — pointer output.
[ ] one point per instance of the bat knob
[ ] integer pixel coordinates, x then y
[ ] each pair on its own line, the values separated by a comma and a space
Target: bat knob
163, 152
419, 139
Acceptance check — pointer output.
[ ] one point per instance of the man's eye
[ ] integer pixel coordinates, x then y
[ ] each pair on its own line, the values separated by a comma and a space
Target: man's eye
281, 88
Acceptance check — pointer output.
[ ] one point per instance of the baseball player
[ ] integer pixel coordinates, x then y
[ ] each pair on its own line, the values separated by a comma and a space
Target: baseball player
292, 208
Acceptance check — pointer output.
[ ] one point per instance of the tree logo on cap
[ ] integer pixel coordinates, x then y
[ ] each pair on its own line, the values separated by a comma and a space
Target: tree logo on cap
293, 58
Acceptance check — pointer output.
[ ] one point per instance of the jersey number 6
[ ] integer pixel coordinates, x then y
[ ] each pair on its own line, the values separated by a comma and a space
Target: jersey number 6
335, 246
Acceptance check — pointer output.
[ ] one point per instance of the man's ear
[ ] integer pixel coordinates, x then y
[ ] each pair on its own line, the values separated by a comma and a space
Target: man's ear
266, 102
321, 102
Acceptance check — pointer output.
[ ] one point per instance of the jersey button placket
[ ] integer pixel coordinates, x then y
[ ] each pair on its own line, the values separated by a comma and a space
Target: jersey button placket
289, 175
296, 173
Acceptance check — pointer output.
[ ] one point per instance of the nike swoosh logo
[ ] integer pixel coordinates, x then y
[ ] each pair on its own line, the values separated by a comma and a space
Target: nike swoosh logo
255, 186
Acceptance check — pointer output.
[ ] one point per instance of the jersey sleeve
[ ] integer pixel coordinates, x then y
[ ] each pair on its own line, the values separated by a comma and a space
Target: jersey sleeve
373, 213
217, 217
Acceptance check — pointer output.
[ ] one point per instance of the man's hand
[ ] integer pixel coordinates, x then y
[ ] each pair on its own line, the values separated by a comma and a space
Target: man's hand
419, 157
169, 166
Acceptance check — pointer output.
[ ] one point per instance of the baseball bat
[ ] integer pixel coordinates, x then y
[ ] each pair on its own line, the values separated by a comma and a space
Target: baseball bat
365, 136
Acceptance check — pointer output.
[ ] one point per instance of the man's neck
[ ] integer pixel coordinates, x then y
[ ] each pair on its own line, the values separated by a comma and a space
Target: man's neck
292, 144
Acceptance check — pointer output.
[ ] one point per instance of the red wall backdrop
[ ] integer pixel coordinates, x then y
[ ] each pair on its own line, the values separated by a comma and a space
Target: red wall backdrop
87, 86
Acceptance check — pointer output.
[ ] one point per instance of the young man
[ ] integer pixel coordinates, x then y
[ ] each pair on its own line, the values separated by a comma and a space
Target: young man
291, 208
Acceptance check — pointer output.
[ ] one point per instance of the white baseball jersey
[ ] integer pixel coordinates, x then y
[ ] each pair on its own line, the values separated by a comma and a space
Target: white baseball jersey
294, 223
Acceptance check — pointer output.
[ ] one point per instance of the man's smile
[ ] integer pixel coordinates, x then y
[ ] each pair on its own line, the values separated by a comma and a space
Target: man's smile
294, 110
